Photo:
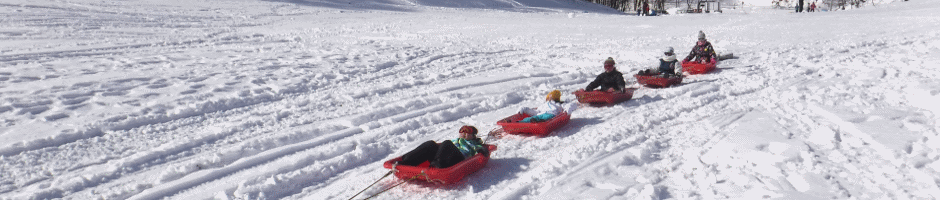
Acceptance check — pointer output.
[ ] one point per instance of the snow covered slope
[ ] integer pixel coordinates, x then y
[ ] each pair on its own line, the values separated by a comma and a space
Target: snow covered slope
304, 99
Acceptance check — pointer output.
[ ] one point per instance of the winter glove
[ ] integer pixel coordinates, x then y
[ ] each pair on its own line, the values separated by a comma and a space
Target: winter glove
485, 151
523, 110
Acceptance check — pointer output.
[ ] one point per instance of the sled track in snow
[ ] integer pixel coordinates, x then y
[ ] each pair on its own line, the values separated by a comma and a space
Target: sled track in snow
191, 156
634, 131
703, 101
810, 117
369, 130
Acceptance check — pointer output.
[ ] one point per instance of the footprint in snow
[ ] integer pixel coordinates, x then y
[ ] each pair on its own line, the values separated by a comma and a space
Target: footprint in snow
158, 86
198, 79
25, 79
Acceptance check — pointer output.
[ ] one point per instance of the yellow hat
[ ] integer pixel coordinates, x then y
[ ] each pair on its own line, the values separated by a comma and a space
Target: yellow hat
554, 95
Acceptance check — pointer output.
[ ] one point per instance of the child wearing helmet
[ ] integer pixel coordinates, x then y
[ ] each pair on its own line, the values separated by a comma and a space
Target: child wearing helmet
703, 52
611, 80
552, 107
447, 153
667, 64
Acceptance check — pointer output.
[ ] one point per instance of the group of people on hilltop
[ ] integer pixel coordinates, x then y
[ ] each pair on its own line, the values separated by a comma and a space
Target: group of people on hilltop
451, 152
810, 8
646, 8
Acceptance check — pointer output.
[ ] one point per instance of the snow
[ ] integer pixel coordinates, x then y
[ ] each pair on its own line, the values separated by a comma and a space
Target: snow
305, 99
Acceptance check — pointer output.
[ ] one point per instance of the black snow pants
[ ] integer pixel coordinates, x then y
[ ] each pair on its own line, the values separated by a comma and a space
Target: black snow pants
441, 155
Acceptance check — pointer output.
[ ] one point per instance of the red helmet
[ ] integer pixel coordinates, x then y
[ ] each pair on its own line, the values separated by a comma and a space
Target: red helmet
468, 130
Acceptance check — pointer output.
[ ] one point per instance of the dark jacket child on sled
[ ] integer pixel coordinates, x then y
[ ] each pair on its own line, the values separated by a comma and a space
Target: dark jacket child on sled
703, 52
447, 153
611, 80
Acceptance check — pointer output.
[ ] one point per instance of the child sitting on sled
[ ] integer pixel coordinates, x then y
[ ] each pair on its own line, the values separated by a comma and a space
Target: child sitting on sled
667, 65
552, 107
703, 52
447, 153
611, 80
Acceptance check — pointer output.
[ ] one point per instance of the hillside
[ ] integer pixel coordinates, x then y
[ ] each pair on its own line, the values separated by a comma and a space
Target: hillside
305, 99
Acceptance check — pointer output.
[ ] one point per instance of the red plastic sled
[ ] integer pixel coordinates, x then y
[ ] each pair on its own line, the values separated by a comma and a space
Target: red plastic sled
603, 97
656, 80
512, 126
445, 176
693, 67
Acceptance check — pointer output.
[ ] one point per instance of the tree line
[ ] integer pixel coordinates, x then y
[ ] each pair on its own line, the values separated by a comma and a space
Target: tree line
631, 5
659, 5
831, 4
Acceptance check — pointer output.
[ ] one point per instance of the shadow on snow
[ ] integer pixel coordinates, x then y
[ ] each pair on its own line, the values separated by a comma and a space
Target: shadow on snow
497, 170
575, 125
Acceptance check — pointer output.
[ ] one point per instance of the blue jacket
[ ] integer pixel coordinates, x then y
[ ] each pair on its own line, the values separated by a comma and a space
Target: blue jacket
468, 147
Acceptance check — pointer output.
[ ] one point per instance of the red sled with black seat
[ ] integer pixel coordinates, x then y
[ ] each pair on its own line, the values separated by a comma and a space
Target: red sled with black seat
657, 81
445, 176
512, 125
693, 67
603, 97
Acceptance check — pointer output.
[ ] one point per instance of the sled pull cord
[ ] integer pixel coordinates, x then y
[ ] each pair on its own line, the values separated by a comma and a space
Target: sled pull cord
492, 132
376, 181
396, 185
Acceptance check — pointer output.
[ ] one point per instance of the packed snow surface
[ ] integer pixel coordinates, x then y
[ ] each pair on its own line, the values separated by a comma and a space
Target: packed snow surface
305, 99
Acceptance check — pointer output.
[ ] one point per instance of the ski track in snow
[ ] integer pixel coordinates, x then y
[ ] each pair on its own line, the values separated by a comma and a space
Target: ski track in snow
299, 100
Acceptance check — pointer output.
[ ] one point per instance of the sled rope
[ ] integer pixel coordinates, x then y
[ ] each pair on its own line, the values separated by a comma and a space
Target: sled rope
428, 178
497, 131
396, 185
376, 181
491, 133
